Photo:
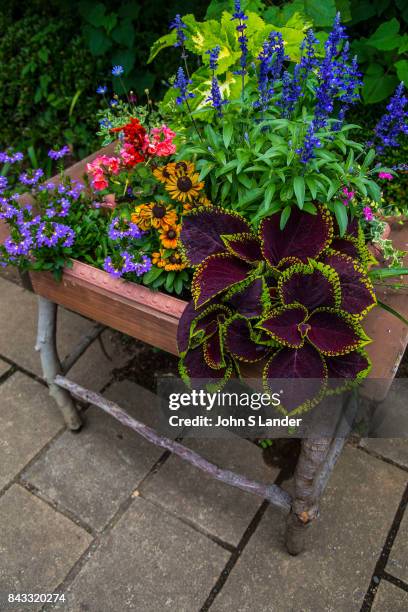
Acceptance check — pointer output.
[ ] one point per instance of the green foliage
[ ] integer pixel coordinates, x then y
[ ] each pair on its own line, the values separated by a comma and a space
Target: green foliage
220, 29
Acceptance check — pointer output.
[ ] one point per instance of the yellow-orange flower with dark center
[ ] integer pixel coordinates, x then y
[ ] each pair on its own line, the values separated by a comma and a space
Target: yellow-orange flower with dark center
164, 173
156, 214
158, 259
174, 263
184, 187
169, 237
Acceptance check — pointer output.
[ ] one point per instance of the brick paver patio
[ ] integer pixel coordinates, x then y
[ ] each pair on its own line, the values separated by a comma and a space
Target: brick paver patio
116, 524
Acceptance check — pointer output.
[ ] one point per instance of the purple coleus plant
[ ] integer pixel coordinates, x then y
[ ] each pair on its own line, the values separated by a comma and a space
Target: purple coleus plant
292, 299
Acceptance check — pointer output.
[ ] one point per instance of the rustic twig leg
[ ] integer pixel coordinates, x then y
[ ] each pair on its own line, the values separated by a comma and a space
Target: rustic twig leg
51, 366
306, 497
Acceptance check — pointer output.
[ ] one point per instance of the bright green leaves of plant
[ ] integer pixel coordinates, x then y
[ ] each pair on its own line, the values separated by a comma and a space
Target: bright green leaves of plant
299, 189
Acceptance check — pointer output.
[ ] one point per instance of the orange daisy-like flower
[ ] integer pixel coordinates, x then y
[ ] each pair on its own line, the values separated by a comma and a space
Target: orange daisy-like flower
159, 259
183, 167
169, 237
164, 173
202, 200
184, 187
174, 263
155, 214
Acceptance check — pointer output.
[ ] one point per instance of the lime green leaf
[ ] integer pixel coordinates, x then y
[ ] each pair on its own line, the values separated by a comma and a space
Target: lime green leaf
165, 41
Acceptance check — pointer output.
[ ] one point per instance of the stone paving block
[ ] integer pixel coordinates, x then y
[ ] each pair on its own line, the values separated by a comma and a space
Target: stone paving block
150, 561
390, 598
18, 317
94, 368
38, 545
398, 560
395, 449
91, 473
28, 420
4, 367
219, 509
334, 572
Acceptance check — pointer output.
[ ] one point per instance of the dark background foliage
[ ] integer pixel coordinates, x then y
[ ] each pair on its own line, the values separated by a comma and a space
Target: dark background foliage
54, 53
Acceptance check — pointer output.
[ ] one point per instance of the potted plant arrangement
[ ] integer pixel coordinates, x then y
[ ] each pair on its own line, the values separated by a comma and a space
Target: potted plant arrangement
243, 192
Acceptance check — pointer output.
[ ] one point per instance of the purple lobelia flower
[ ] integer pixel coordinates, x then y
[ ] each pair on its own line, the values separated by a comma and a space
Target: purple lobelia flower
144, 266
271, 58
10, 158
179, 25
58, 154
25, 179
3, 183
181, 83
50, 234
121, 263
18, 247
122, 228
394, 122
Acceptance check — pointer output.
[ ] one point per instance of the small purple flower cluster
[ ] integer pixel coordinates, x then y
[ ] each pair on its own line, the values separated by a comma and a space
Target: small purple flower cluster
123, 263
181, 83
32, 180
179, 25
394, 122
240, 16
291, 91
311, 142
3, 183
13, 158
120, 228
337, 80
271, 57
59, 153
308, 60
214, 55
215, 97
29, 232
50, 234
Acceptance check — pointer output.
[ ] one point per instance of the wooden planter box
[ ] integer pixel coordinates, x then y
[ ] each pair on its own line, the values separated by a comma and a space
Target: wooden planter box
144, 314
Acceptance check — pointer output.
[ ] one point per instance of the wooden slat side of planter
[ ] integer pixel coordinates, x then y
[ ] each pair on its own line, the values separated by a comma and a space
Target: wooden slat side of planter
130, 308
